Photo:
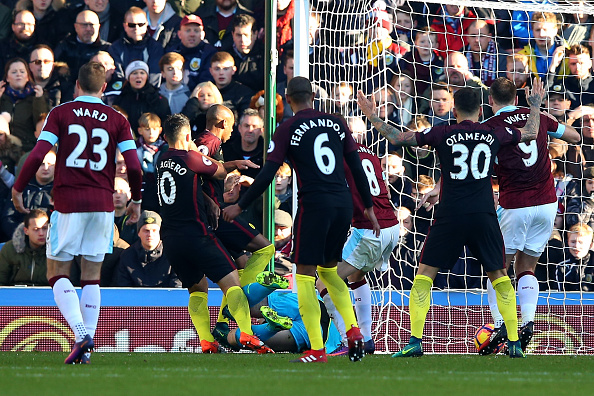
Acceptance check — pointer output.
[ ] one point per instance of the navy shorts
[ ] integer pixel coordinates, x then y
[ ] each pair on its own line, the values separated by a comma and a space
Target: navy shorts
235, 235
319, 234
448, 236
193, 257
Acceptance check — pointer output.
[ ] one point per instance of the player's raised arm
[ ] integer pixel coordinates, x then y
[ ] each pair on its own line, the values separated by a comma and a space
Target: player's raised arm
394, 135
530, 130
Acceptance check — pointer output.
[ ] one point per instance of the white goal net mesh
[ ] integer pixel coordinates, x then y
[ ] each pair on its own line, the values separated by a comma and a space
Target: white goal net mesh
392, 49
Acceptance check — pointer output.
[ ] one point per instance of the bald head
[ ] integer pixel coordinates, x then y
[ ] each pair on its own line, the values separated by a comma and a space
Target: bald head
87, 26
219, 121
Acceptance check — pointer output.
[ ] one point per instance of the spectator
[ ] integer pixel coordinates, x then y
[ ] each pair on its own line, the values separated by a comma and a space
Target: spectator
247, 52
204, 95
174, 90
575, 270
236, 96
121, 196
38, 128
110, 18
121, 169
341, 100
149, 147
405, 24
257, 103
143, 264
518, 70
10, 151
422, 217
284, 19
136, 44
405, 103
77, 49
109, 268
282, 188
582, 155
4, 22
580, 82
22, 101
420, 160
195, 49
37, 195
484, 59
577, 28
546, 49
139, 96
283, 242
22, 259
250, 145
358, 129
47, 19
162, 21
114, 83
217, 18
52, 76
422, 61
452, 25
441, 105
580, 208
399, 187
22, 40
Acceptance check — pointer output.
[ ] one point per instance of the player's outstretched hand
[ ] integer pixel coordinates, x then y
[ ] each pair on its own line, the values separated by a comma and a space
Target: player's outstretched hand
367, 105
245, 164
213, 212
17, 201
231, 212
133, 212
370, 214
429, 200
537, 93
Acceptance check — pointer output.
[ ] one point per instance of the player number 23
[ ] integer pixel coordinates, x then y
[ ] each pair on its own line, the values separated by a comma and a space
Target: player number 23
73, 159
461, 161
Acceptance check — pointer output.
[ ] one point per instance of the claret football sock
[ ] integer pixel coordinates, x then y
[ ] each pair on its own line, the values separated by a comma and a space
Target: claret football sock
492, 296
339, 292
198, 310
69, 305
506, 300
420, 301
90, 305
309, 308
239, 309
256, 264
527, 296
362, 294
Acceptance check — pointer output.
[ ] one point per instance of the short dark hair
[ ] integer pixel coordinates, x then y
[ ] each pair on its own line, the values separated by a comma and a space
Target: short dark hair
34, 214
299, 90
91, 77
174, 126
41, 46
503, 91
242, 20
467, 101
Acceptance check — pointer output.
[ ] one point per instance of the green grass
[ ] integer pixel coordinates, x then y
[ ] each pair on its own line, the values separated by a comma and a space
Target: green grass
169, 374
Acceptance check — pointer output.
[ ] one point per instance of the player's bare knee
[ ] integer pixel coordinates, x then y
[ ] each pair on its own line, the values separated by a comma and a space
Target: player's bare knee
90, 267
229, 280
58, 268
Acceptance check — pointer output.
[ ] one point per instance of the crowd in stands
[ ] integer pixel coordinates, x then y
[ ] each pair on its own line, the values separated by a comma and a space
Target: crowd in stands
163, 57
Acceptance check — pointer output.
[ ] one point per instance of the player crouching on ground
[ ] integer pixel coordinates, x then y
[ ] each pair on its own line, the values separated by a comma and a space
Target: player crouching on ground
466, 214
189, 244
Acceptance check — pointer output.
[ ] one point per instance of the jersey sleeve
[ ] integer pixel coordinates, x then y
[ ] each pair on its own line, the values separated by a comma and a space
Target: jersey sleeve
200, 164
508, 135
279, 145
428, 136
554, 128
124, 137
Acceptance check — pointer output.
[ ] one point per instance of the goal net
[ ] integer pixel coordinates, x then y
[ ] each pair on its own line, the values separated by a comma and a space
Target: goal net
390, 49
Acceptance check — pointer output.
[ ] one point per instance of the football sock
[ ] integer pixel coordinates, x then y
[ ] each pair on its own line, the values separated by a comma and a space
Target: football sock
339, 292
263, 331
309, 308
221, 317
419, 303
256, 264
239, 309
334, 315
362, 293
198, 310
90, 305
492, 297
255, 293
69, 305
527, 296
506, 300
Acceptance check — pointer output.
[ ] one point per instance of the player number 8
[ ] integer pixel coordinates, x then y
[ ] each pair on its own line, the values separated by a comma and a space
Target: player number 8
374, 186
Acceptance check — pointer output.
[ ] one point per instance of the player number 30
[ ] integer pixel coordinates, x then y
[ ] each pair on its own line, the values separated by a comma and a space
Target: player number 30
461, 161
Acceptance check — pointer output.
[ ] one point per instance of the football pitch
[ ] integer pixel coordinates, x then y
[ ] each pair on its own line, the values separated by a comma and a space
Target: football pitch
43, 373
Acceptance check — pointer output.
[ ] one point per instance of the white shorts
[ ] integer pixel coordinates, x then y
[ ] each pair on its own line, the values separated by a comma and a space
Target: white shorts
366, 252
527, 229
89, 234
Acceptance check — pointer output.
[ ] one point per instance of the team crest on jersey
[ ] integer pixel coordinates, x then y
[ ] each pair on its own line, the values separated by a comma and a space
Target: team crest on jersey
206, 161
117, 85
426, 130
203, 149
438, 70
509, 130
195, 64
270, 147
389, 59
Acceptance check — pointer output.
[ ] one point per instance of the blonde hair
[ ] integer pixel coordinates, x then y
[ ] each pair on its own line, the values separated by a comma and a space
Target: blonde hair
149, 120
284, 170
581, 229
212, 87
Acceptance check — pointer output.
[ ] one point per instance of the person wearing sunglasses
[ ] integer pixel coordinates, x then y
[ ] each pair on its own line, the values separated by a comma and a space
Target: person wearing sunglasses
136, 44
78, 48
50, 75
